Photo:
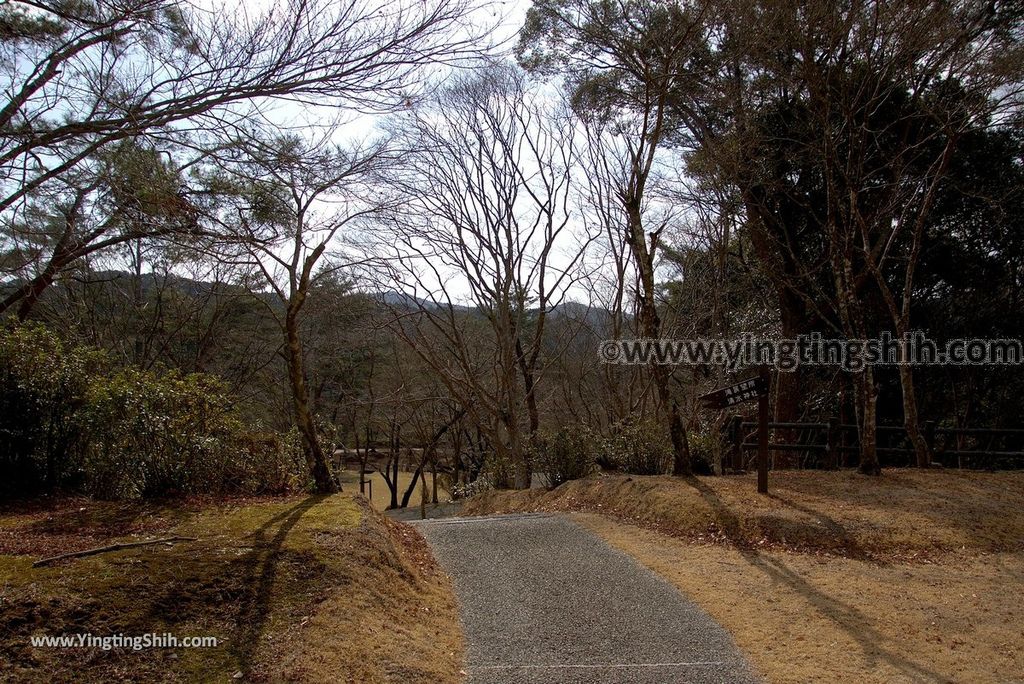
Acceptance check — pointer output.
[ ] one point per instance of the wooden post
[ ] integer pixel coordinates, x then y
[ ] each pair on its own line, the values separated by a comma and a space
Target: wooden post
423, 494
832, 442
762, 436
361, 459
736, 445
929, 438
737, 394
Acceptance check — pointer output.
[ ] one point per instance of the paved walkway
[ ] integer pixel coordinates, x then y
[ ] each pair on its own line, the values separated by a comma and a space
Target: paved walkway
544, 600
412, 513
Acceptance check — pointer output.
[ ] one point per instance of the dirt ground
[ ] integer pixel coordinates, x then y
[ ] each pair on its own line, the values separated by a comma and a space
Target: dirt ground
911, 577
308, 589
803, 618
907, 515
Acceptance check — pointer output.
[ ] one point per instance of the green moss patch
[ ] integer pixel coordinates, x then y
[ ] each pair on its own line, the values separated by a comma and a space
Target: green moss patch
257, 568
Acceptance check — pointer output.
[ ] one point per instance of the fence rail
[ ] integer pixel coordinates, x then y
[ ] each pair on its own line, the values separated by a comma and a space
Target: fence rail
829, 444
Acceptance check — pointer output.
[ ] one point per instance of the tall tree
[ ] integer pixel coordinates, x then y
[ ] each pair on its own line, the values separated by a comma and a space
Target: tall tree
295, 199
623, 62
483, 245
833, 123
80, 77
837, 126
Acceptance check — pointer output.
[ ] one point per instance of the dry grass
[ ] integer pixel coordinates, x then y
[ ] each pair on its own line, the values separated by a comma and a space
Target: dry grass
902, 515
295, 589
802, 618
911, 577
400, 624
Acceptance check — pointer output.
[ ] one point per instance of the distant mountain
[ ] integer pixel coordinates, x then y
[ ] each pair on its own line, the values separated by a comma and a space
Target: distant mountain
594, 317
569, 311
402, 300
566, 311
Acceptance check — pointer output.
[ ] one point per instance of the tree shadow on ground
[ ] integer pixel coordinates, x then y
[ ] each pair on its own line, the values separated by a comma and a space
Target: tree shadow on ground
222, 585
242, 590
979, 507
845, 541
262, 563
846, 617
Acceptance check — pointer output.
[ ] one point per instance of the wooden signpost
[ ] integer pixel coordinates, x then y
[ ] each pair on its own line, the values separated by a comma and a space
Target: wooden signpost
753, 388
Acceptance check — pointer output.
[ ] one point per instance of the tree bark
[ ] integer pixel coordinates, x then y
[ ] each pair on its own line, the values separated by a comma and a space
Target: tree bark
433, 480
412, 486
868, 399
316, 461
650, 324
532, 411
787, 398
922, 454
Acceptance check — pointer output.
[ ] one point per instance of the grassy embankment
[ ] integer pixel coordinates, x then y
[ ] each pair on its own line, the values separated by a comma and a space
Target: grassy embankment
911, 577
301, 589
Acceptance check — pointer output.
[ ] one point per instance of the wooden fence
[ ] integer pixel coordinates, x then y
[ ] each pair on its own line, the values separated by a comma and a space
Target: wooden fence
835, 445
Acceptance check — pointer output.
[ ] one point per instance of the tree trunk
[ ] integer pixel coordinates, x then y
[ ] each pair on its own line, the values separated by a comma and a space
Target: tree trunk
361, 456
911, 419
532, 411
851, 313
650, 324
63, 251
412, 486
787, 396
508, 442
316, 461
521, 469
396, 457
456, 440
433, 481
30, 294
868, 400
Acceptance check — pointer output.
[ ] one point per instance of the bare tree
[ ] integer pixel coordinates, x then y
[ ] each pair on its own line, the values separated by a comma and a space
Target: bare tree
483, 249
295, 200
80, 77
625, 62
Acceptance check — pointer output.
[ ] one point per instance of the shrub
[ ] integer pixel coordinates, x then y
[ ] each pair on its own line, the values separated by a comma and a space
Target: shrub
565, 454
637, 447
705, 450
477, 486
152, 434
266, 463
70, 419
499, 471
43, 387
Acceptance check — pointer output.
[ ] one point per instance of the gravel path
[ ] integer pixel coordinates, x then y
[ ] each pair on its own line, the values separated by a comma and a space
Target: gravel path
544, 600
412, 513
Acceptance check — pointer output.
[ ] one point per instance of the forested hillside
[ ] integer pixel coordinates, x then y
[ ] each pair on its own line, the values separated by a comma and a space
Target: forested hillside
435, 263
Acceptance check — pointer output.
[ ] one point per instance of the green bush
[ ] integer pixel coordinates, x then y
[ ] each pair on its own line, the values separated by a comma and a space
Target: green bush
152, 434
70, 420
499, 471
705, 450
296, 452
565, 454
43, 387
267, 463
637, 447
